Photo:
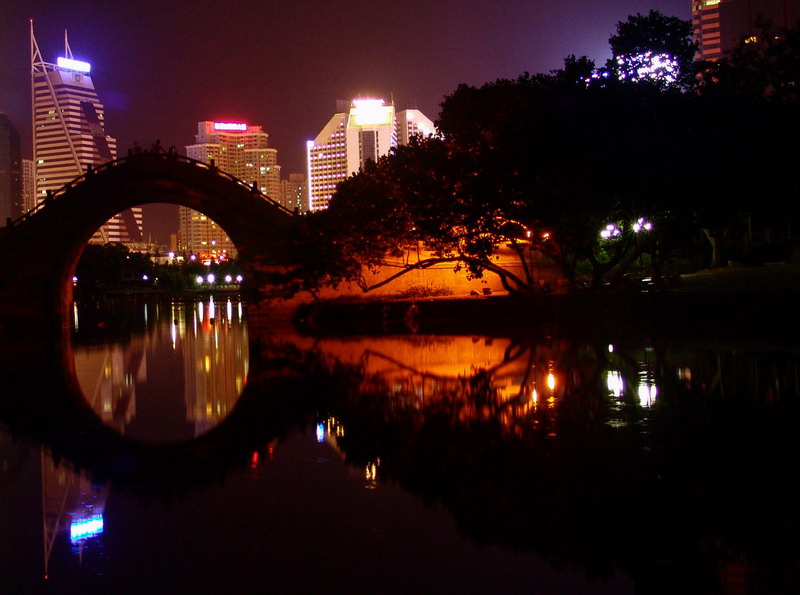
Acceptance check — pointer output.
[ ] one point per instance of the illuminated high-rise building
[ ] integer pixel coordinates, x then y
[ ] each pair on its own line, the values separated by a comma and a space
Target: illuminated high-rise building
294, 193
10, 171
28, 185
412, 122
719, 25
242, 151
69, 134
365, 130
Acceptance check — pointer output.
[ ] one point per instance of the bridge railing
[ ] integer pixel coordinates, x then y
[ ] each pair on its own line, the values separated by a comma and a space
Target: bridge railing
40, 205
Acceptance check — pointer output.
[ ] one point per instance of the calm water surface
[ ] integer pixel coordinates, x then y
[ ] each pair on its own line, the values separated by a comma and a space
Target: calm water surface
227, 457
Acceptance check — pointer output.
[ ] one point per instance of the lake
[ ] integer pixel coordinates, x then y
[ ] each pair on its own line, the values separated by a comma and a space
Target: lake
207, 452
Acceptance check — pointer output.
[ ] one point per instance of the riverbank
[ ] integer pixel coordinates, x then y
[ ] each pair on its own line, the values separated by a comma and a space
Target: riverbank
753, 301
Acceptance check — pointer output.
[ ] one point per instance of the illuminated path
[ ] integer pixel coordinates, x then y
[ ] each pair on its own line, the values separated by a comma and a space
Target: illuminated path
41, 250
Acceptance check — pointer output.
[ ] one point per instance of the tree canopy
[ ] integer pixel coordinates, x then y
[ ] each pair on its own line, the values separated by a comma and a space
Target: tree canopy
591, 175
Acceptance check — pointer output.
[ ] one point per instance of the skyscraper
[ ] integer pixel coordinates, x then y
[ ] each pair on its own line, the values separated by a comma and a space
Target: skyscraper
69, 133
294, 193
719, 25
365, 130
241, 150
28, 183
10, 171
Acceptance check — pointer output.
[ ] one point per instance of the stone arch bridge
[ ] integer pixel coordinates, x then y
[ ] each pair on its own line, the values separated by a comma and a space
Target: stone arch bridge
41, 250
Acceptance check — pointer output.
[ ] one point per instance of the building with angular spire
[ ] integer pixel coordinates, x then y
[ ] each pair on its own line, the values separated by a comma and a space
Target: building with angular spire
69, 135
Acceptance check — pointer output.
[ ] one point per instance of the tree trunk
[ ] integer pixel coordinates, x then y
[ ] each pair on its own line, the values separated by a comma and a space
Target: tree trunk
712, 239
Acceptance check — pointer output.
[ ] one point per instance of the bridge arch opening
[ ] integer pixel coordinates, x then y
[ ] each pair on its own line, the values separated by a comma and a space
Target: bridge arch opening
56, 234
37, 289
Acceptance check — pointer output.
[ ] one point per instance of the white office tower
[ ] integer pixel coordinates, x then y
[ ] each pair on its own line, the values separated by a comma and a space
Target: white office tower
242, 151
367, 130
412, 122
69, 134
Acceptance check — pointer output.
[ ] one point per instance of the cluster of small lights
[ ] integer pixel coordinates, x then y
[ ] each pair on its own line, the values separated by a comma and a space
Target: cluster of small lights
642, 225
648, 66
211, 279
611, 231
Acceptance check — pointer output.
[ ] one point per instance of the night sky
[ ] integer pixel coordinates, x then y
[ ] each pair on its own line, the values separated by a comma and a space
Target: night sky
161, 67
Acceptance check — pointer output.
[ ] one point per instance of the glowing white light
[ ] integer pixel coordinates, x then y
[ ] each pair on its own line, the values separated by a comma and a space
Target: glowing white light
370, 112
238, 278
230, 126
144, 277
228, 279
551, 381
647, 394
211, 278
76, 65
642, 224
615, 383
320, 432
199, 279
84, 528
610, 231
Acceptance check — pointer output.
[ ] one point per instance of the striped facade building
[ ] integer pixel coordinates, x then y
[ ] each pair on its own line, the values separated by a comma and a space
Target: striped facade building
69, 136
720, 25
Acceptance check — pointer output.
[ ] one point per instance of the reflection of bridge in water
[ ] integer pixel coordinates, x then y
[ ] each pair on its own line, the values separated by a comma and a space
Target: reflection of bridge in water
41, 249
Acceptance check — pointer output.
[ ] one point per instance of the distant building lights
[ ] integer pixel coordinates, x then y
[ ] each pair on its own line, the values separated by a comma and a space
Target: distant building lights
76, 65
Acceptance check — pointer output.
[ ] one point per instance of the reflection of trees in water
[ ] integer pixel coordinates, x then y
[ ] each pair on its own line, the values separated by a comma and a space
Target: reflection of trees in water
682, 473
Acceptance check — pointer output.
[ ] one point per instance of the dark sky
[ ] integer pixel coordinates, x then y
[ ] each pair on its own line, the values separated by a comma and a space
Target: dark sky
162, 66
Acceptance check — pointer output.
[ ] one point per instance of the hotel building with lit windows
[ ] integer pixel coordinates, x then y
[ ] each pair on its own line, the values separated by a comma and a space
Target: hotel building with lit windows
69, 136
241, 150
361, 130
719, 25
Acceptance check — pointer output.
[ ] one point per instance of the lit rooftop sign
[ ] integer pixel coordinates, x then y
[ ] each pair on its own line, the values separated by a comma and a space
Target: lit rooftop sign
370, 112
70, 64
230, 126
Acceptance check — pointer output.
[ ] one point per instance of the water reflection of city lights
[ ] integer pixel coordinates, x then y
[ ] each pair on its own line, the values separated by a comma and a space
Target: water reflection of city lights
647, 390
371, 475
84, 528
615, 383
551, 381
